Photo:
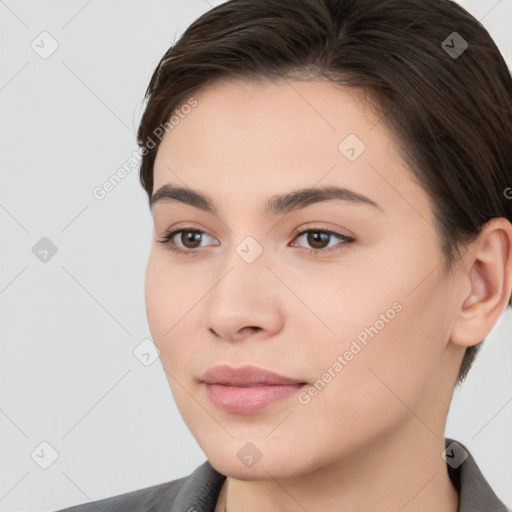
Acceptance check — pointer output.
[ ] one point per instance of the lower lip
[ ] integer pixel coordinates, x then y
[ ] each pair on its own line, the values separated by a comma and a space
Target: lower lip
248, 399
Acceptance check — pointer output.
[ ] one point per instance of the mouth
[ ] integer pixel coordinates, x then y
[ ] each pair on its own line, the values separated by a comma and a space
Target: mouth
247, 390
248, 399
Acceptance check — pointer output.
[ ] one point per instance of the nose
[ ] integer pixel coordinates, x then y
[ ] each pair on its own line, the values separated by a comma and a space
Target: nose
245, 302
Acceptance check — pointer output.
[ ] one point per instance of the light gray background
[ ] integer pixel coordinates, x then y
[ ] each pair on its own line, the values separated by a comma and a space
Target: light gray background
68, 374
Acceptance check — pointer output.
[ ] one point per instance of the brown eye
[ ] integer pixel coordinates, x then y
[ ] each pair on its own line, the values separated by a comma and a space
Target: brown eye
319, 240
184, 241
190, 239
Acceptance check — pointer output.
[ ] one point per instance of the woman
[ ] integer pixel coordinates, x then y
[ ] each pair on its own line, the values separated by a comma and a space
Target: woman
330, 185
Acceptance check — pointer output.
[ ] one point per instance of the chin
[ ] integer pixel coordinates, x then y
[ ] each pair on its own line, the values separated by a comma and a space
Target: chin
261, 459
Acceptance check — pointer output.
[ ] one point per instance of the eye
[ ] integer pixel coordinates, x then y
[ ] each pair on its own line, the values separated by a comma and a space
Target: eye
320, 240
189, 239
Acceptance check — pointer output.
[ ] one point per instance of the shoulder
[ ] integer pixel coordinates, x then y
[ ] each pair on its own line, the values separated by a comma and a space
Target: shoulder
474, 490
193, 492
153, 498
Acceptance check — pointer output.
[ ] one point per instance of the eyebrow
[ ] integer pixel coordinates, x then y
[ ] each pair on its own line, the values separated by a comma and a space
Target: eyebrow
276, 205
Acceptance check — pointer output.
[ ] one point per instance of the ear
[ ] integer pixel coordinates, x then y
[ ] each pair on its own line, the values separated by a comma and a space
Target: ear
488, 275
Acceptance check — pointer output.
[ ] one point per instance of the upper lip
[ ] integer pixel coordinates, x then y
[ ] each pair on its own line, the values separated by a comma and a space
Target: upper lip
245, 376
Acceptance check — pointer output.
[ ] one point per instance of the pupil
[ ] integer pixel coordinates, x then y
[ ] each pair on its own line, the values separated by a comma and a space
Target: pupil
317, 239
190, 236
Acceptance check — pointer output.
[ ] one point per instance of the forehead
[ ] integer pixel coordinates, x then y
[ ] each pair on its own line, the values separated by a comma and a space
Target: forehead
262, 138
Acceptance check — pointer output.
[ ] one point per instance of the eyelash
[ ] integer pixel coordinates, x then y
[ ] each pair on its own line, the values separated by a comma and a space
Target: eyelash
169, 235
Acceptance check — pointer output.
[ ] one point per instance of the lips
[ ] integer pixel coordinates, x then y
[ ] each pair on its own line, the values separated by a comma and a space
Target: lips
247, 390
246, 376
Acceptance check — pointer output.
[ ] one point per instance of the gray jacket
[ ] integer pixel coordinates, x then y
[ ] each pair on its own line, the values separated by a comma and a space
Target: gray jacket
198, 492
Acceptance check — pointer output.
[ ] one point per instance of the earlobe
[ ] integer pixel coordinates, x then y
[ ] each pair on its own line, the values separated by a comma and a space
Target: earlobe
490, 279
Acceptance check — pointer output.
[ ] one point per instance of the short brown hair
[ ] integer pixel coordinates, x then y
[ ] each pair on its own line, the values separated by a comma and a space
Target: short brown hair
437, 79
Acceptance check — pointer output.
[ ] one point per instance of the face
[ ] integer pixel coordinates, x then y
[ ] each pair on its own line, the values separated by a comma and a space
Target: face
344, 295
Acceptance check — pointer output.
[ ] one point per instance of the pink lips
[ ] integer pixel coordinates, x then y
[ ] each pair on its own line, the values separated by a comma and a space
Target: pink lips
248, 389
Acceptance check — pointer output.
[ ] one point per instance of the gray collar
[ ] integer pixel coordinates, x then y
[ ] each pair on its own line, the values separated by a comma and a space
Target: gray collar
201, 488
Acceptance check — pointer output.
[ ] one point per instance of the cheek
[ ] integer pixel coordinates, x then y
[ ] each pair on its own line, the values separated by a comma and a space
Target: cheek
379, 381
389, 329
170, 297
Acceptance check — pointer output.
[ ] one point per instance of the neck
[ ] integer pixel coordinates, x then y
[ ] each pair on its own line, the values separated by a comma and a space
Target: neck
405, 473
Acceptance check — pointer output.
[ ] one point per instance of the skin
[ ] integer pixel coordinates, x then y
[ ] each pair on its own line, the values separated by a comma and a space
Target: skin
372, 438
